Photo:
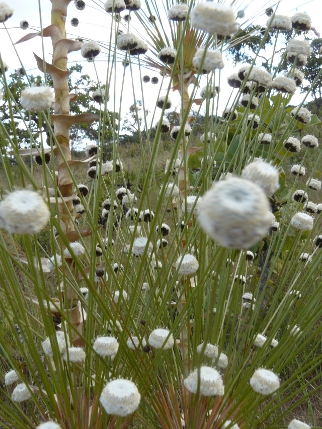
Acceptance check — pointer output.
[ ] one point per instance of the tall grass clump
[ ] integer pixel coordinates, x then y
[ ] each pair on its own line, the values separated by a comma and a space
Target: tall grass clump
188, 297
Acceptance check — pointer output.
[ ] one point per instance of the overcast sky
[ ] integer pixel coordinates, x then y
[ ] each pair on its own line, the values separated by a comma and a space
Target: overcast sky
95, 23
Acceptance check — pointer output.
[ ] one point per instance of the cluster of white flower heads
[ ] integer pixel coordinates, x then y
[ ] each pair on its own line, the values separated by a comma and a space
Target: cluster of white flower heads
213, 18
265, 175
37, 98
161, 338
206, 380
264, 381
120, 397
207, 60
235, 213
23, 212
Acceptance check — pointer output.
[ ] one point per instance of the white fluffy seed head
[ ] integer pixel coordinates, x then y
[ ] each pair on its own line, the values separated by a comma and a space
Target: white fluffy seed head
235, 213
264, 381
178, 12
298, 47
292, 144
210, 350
76, 248
115, 6
48, 425
191, 204
260, 340
167, 55
264, 138
187, 264
302, 221
20, 393
207, 60
139, 246
61, 344
280, 22
284, 84
161, 338
90, 49
5, 12
74, 354
207, 379
11, 377
120, 397
302, 115
134, 342
213, 18
261, 77
23, 212
265, 175
298, 170
297, 424
106, 346
314, 184
37, 98
301, 21
310, 141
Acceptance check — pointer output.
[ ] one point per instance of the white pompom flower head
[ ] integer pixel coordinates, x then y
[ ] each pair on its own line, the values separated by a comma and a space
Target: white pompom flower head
235, 213
5, 12
120, 397
206, 381
161, 338
263, 174
213, 18
37, 98
23, 212
264, 381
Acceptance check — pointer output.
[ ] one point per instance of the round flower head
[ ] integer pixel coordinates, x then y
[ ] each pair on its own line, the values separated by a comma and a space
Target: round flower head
229, 423
146, 215
210, 351
318, 241
155, 80
117, 295
208, 92
301, 21
120, 397
74, 22
310, 207
139, 246
82, 189
263, 174
164, 102
249, 100
264, 381
134, 343
280, 22
300, 196
21, 393
114, 6
297, 424
37, 98
253, 121
214, 18
127, 41
77, 249
74, 354
296, 75
98, 96
319, 208
302, 221
261, 77
207, 60
164, 229
187, 264
133, 5
230, 113
161, 338
284, 84
298, 47
178, 12
171, 189
298, 170
234, 81
292, 144
314, 184
79, 4
141, 48
23, 212
243, 71
61, 344
106, 346
91, 149
176, 130
146, 79
167, 55
264, 138
299, 59
310, 141
11, 377
48, 425
191, 204
235, 213
164, 125
90, 49
305, 257
207, 381
5, 12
